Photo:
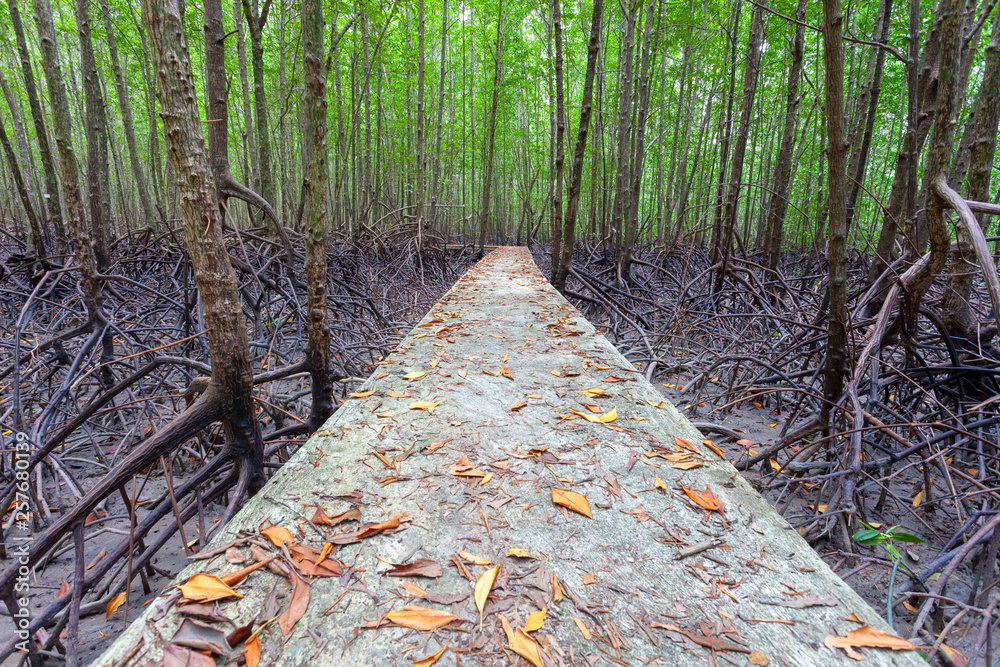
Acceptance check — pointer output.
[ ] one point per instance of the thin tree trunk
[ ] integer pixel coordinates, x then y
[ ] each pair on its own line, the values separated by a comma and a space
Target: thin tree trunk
560, 157
51, 207
435, 184
256, 22
490, 139
586, 106
421, 160
620, 207
36, 241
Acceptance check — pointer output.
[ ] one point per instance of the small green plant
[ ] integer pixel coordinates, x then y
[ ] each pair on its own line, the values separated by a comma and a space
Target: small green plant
872, 537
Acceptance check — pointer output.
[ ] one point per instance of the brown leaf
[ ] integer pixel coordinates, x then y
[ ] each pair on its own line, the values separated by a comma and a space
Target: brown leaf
706, 499
714, 447
420, 618
519, 405
519, 552
572, 500
803, 602
297, 607
713, 643
206, 588
758, 658
235, 556
179, 656
320, 518
527, 648
201, 637
867, 637
412, 589
419, 568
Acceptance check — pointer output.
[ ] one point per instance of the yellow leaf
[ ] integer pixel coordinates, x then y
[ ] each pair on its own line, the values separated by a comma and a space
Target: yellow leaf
572, 500
775, 465
917, 498
509, 631
396, 394
432, 658
660, 484
424, 405
482, 591
362, 394
583, 628
415, 375
594, 392
854, 618
474, 559
608, 417
420, 618
535, 621
278, 535
113, 605
527, 648
206, 588
758, 658
686, 465
519, 552
588, 579
956, 656
412, 589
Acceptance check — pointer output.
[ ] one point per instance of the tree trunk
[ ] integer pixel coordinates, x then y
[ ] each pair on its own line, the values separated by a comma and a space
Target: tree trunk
36, 241
620, 207
836, 347
750, 77
774, 226
232, 375
727, 130
440, 116
62, 131
586, 105
421, 160
256, 23
491, 129
51, 207
128, 122
560, 157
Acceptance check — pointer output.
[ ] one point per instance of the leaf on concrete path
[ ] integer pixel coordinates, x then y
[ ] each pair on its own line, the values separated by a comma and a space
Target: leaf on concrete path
686, 444
251, 651
482, 590
412, 589
321, 518
713, 643
113, 605
418, 568
572, 500
424, 405
519, 405
714, 447
396, 394
867, 637
758, 658
180, 656
706, 500
206, 588
535, 621
527, 648
660, 484
432, 658
278, 535
519, 552
297, 607
474, 559
205, 611
415, 375
201, 637
420, 618
235, 556
362, 394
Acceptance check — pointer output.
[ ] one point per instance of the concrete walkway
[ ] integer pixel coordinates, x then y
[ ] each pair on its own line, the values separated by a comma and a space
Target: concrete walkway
506, 443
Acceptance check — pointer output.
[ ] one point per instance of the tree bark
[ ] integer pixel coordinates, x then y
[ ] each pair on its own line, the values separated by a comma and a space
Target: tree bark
36, 240
232, 375
560, 157
51, 208
491, 130
586, 106
256, 22
774, 226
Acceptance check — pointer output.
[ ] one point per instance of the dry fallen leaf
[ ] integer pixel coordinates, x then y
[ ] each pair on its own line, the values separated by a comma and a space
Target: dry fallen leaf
420, 618
594, 392
572, 500
415, 375
206, 588
519, 552
297, 607
423, 567
113, 605
235, 556
583, 628
432, 658
396, 394
867, 637
482, 590
361, 394
251, 651
518, 406
424, 405
588, 579
660, 484
535, 621
714, 447
321, 518
706, 499
474, 559
758, 658
527, 648
278, 535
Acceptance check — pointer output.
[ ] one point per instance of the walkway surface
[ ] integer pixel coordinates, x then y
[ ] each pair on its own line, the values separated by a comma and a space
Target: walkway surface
506, 488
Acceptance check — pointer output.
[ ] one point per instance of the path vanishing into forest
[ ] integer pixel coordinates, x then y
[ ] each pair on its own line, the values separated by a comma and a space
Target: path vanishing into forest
506, 484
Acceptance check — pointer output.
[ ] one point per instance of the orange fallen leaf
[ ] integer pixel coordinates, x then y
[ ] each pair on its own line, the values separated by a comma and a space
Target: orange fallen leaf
206, 588
758, 658
706, 499
572, 500
361, 394
527, 648
660, 484
583, 628
278, 535
396, 394
867, 637
321, 518
420, 618
113, 605
474, 559
251, 651
432, 658
589, 579
297, 607
519, 405
714, 447
519, 552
